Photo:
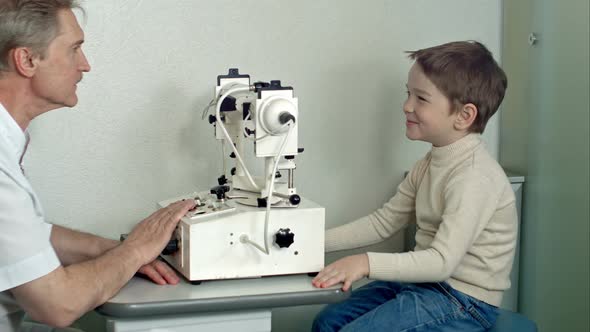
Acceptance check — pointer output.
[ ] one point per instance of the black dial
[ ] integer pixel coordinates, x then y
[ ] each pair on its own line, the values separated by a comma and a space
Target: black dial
220, 191
284, 238
171, 247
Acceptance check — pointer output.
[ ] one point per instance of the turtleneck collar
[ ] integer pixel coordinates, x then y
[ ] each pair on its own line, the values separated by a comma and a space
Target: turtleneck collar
457, 148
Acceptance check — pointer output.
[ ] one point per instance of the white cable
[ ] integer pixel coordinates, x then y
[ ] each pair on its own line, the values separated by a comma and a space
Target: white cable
212, 102
223, 158
222, 126
244, 238
245, 132
268, 134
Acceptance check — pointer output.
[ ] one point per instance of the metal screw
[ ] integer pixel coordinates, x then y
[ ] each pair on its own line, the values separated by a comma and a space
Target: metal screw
532, 39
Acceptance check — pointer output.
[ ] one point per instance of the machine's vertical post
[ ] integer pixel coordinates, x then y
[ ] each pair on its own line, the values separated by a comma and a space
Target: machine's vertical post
290, 181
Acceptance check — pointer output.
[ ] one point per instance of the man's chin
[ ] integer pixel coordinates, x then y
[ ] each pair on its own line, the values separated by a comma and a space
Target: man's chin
71, 102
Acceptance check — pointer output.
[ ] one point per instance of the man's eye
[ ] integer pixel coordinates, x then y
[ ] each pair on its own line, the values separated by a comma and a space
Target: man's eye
422, 98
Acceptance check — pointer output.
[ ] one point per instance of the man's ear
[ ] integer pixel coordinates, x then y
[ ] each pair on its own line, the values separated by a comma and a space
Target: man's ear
466, 116
25, 61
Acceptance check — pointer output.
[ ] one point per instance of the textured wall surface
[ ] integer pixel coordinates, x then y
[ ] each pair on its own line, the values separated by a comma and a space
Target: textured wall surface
546, 137
137, 137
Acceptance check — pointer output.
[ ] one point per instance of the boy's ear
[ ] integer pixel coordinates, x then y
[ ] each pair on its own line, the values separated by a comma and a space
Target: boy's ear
25, 61
466, 116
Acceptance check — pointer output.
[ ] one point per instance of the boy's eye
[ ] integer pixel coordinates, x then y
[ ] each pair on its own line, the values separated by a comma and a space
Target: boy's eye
422, 98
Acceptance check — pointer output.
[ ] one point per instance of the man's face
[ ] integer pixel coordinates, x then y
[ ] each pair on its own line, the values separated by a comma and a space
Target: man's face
62, 67
428, 111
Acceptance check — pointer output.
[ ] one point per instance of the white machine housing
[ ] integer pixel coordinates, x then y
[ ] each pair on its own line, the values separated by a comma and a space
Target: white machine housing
210, 247
237, 234
266, 105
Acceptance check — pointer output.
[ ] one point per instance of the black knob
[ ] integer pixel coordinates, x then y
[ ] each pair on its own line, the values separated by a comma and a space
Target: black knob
260, 85
220, 191
213, 118
284, 238
286, 117
233, 171
295, 199
278, 175
222, 180
261, 202
289, 157
228, 104
171, 247
232, 155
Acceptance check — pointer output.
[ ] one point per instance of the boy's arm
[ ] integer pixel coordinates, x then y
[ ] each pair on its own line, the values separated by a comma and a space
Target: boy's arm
384, 222
375, 227
470, 203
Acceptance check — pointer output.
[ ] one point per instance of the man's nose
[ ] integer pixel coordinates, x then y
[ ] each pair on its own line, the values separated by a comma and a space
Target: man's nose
84, 65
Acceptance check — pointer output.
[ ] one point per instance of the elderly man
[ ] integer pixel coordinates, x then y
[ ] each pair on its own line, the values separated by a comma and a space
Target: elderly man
53, 273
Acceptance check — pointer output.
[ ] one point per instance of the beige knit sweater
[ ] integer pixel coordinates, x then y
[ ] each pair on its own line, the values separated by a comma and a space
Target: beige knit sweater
465, 212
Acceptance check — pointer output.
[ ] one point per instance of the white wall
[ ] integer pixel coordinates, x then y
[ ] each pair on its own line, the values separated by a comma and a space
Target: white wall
137, 137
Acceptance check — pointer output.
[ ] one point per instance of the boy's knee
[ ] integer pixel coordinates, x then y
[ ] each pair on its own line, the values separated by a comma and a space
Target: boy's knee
325, 321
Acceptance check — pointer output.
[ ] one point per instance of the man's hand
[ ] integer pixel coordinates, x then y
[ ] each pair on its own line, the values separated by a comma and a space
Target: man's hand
160, 273
150, 236
347, 270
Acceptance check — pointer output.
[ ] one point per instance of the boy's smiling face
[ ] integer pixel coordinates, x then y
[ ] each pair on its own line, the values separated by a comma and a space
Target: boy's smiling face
428, 111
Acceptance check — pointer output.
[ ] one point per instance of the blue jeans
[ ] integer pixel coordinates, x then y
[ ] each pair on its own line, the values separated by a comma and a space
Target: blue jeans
394, 306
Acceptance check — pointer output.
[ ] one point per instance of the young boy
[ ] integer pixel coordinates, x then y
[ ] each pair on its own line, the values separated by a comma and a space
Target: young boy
460, 199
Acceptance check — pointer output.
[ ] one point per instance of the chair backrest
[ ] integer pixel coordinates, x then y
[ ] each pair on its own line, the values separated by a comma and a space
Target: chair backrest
509, 321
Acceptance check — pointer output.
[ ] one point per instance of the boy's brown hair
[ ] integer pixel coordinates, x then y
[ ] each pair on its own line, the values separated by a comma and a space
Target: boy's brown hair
465, 72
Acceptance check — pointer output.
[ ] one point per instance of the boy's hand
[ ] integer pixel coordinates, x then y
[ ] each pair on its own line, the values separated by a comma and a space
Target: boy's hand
347, 270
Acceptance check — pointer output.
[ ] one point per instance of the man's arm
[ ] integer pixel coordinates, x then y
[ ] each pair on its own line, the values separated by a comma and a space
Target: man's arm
60, 297
66, 293
74, 247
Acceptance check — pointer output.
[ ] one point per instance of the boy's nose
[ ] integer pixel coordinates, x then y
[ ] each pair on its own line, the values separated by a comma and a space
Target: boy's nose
408, 108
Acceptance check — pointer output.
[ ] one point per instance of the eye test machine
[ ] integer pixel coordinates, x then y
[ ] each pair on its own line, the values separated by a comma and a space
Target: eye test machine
246, 225
243, 229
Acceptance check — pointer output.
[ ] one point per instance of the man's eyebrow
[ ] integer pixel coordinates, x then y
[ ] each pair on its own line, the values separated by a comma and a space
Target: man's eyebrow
78, 42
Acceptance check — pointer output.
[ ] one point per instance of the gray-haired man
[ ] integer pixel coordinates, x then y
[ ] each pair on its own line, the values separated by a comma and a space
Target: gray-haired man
53, 273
